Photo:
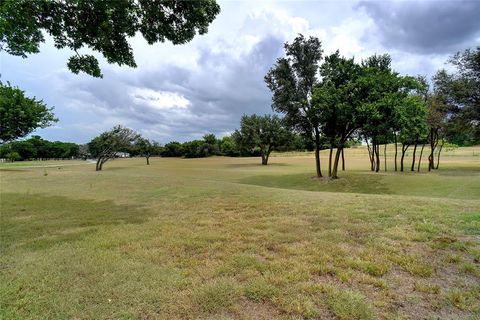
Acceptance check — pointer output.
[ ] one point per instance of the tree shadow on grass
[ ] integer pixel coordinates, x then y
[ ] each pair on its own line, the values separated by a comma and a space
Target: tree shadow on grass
351, 183
255, 164
38, 221
458, 171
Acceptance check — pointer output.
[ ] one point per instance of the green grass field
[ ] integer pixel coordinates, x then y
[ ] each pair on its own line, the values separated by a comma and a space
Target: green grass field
227, 238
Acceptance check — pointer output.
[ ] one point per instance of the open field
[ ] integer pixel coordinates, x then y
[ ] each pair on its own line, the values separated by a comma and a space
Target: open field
222, 238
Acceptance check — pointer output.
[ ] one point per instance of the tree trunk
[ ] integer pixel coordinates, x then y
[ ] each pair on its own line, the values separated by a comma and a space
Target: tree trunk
317, 153
413, 156
377, 155
330, 161
433, 145
103, 162
371, 155
265, 155
420, 158
148, 160
97, 166
335, 164
343, 161
385, 155
439, 151
404, 149
396, 150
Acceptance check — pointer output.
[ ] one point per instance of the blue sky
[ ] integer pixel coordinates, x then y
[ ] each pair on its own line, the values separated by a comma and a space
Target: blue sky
183, 92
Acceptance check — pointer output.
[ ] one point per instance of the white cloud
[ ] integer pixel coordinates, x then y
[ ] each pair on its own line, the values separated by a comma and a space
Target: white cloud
160, 100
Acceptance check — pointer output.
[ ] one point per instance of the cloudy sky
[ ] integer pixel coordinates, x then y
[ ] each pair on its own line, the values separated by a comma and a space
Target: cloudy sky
182, 92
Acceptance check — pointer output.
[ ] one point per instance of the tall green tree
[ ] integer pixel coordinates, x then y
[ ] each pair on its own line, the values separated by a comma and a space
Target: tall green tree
411, 116
379, 85
335, 104
437, 118
265, 133
20, 115
100, 26
291, 81
106, 145
459, 92
393, 108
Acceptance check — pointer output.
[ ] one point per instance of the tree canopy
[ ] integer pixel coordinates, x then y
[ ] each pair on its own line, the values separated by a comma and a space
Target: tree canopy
291, 80
38, 148
100, 26
146, 148
20, 115
265, 133
459, 92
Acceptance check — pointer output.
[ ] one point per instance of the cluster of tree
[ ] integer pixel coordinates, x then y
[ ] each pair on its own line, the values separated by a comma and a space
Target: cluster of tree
337, 99
242, 143
37, 148
208, 146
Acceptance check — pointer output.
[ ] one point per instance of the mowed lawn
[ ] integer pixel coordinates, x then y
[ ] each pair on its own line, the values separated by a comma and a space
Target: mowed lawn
227, 238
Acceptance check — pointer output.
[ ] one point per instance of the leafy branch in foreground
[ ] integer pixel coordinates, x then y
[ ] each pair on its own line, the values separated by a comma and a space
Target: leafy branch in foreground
100, 26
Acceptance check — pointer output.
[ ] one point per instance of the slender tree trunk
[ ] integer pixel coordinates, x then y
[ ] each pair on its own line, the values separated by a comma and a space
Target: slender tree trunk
413, 156
420, 158
148, 160
330, 161
101, 164
371, 155
377, 155
433, 145
343, 161
317, 153
385, 155
439, 151
396, 149
97, 166
335, 164
404, 149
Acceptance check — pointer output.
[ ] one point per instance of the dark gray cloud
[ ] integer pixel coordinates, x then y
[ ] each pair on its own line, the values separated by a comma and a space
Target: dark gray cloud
219, 90
428, 27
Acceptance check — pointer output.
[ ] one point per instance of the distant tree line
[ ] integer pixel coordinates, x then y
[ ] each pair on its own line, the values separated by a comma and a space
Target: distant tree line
37, 148
257, 136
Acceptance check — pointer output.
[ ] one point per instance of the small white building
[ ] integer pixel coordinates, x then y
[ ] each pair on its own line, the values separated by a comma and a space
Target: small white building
122, 155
